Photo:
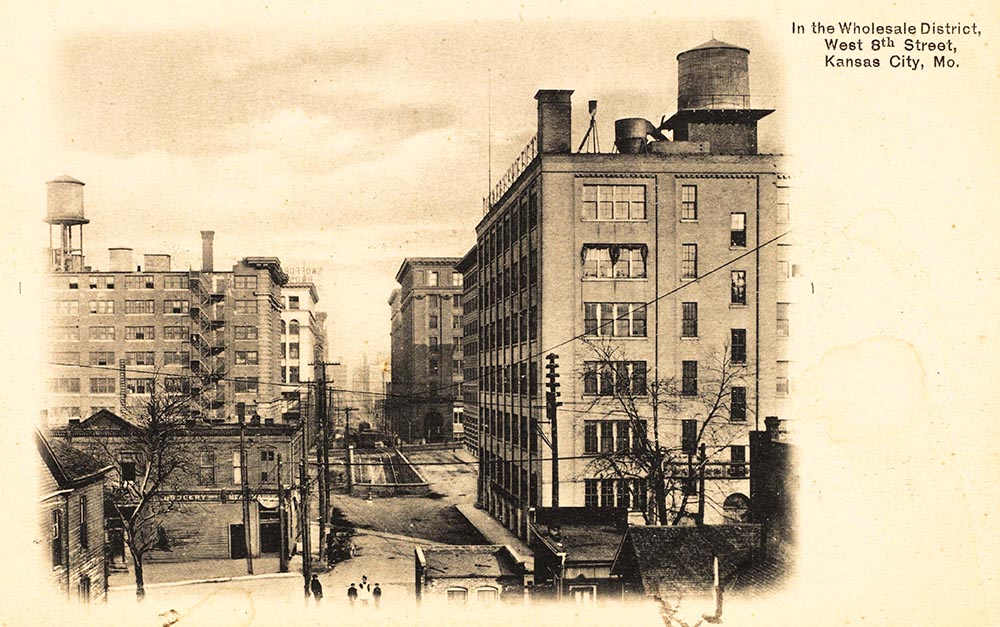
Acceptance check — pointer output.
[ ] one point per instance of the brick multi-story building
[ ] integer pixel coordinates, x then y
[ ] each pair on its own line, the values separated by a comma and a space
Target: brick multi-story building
664, 252
213, 333
426, 350
470, 350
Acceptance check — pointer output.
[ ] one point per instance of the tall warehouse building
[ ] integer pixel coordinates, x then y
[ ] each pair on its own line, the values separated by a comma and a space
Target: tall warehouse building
424, 401
113, 332
660, 259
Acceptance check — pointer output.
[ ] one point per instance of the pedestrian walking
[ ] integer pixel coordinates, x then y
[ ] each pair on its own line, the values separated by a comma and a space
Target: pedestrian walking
317, 589
377, 595
352, 594
364, 594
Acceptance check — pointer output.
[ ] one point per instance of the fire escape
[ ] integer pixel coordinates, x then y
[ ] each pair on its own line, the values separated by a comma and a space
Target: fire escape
208, 363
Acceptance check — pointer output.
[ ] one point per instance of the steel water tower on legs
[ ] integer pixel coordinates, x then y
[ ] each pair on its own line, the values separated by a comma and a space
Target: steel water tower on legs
65, 211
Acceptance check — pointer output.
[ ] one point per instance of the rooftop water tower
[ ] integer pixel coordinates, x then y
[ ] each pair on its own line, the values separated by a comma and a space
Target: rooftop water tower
713, 99
65, 210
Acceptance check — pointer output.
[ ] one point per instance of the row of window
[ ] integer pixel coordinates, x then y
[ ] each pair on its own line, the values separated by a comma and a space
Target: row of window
132, 358
148, 282
109, 385
518, 327
505, 233
509, 280
434, 278
139, 385
72, 307
624, 493
434, 300
520, 378
433, 321
612, 436
504, 476
629, 320
140, 333
520, 431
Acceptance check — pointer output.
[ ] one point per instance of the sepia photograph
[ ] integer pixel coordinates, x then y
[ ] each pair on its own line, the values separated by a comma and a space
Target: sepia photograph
334, 314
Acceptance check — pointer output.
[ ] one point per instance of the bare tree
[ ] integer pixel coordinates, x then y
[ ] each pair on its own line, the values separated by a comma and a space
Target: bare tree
639, 406
151, 453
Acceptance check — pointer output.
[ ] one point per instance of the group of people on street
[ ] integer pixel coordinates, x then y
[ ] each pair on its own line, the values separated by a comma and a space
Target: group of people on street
362, 593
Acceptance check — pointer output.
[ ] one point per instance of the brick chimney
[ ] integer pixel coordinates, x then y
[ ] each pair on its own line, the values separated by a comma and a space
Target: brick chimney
207, 253
555, 121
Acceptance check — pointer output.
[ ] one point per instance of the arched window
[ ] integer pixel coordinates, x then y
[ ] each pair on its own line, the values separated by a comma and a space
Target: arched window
736, 508
458, 596
486, 595
283, 329
293, 327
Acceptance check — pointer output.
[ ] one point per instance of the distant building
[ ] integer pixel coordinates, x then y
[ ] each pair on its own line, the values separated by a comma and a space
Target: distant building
662, 252
479, 576
424, 401
303, 345
212, 333
209, 521
71, 508
470, 351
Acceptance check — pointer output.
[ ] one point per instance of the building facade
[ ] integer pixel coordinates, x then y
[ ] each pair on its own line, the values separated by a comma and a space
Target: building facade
424, 400
71, 510
207, 522
303, 346
470, 351
211, 333
661, 262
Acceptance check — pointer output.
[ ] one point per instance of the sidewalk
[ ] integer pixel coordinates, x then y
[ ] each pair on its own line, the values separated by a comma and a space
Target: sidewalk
180, 573
493, 531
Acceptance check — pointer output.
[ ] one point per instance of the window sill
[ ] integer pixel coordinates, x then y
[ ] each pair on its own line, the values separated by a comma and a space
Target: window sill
689, 220
616, 337
737, 306
605, 280
636, 220
737, 247
690, 338
685, 279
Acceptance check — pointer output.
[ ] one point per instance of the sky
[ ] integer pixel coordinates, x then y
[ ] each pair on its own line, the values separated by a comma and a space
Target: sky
340, 152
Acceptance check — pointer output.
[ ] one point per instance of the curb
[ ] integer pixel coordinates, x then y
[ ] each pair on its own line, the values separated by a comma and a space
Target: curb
173, 584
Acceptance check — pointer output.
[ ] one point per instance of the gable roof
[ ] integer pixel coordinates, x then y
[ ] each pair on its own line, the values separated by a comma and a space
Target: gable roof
70, 467
105, 419
672, 557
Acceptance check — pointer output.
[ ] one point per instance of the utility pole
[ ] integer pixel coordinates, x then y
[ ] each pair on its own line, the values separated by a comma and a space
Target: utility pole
304, 506
241, 409
347, 446
282, 525
551, 405
321, 446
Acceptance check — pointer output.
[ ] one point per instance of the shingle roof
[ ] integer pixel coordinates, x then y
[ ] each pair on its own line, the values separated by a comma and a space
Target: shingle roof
470, 561
680, 557
69, 466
